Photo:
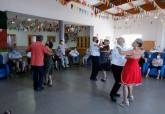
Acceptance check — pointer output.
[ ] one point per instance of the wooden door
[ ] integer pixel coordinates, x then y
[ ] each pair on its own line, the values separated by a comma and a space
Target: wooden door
149, 45
31, 39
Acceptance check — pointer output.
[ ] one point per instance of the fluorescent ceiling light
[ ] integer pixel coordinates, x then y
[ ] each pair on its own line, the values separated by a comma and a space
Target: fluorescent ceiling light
29, 19
155, 17
12, 22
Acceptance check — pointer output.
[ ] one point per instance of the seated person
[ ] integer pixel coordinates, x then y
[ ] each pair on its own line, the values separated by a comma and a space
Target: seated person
86, 56
74, 55
156, 63
16, 61
61, 54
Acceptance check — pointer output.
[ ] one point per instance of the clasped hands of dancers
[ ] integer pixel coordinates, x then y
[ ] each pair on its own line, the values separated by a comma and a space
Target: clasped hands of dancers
124, 65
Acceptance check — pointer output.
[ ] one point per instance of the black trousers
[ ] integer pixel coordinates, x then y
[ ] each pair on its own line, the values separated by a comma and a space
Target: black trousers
38, 74
116, 70
95, 67
2, 66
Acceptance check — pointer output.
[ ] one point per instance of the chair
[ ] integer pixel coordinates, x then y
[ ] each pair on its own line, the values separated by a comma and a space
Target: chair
146, 54
163, 56
153, 73
4, 69
162, 72
145, 68
57, 62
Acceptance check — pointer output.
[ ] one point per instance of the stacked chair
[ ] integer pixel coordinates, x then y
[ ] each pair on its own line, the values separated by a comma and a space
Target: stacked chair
4, 69
162, 73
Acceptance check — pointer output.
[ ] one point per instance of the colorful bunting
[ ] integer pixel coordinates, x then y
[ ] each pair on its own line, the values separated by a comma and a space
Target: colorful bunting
90, 9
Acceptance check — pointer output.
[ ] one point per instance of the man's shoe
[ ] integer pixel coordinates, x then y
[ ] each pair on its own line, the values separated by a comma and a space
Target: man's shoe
113, 99
116, 95
93, 79
103, 80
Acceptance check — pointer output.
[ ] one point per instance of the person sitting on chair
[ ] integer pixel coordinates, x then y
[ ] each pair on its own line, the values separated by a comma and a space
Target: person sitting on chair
61, 54
86, 57
156, 63
15, 59
74, 55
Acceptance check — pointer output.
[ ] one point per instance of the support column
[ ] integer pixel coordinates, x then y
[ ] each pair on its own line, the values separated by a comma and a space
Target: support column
61, 30
91, 33
162, 42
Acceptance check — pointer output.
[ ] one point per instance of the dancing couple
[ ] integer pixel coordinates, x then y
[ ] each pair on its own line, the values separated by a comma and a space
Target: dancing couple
100, 56
126, 69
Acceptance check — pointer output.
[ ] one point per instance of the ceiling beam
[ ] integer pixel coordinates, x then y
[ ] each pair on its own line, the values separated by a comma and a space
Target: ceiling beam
133, 11
119, 2
106, 6
148, 6
160, 3
120, 14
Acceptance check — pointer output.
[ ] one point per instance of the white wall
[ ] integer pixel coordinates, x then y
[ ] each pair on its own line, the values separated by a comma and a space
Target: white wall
22, 37
102, 27
52, 9
150, 28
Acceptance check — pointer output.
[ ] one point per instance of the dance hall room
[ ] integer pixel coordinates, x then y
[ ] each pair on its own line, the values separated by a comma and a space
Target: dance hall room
82, 56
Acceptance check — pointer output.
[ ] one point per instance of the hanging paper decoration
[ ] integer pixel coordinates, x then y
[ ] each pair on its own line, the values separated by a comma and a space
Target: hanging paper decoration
90, 8
35, 25
71, 6
64, 2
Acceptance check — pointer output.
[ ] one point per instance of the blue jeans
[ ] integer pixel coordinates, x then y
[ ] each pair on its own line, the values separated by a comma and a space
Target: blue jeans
64, 61
38, 74
75, 59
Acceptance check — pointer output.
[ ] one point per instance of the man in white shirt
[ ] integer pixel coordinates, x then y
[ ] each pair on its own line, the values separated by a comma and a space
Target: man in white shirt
118, 61
74, 55
95, 54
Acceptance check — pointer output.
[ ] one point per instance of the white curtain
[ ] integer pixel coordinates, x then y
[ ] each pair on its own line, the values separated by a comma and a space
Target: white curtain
162, 42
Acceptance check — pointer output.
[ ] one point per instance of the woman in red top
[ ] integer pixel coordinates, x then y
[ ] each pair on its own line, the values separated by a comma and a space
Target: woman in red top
131, 74
38, 50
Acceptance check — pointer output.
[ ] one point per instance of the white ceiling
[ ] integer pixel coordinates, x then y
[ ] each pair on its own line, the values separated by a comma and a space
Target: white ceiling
92, 2
115, 10
24, 17
125, 6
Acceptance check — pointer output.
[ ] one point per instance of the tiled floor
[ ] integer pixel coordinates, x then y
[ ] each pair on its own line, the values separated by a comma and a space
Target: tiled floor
73, 93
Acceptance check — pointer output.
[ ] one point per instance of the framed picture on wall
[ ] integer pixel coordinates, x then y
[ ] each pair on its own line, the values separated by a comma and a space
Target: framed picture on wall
51, 38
